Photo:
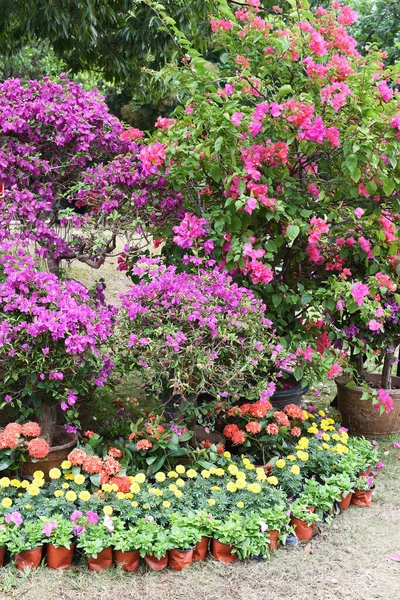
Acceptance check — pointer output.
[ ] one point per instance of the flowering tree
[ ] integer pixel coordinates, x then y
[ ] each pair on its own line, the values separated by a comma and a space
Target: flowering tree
53, 342
292, 133
67, 189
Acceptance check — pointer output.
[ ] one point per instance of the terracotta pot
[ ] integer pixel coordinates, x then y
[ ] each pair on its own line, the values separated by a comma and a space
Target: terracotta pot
180, 559
61, 557
54, 458
293, 395
200, 549
223, 552
366, 472
301, 529
102, 562
201, 435
345, 501
2, 555
361, 417
273, 539
156, 564
129, 561
311, 508
28, 559
362, 498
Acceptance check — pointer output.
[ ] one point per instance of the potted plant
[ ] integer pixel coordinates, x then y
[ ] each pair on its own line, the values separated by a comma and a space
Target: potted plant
362, 495
302, 520
321, 497
346, 487
125, 541
362, 457
24, 540
183, 538
256, 541
154, 544
3, 541
58, 534
95, 541
227, 534
277, 521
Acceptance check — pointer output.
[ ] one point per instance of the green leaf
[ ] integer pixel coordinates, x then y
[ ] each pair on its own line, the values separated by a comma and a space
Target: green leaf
351, 162
276, 300
388, 186
298, 373
95, 479
292, 232
371, 187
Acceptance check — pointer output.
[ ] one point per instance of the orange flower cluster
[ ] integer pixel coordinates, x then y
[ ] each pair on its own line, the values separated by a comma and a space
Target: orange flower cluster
294, 412
144, 445
12, 437
38, 448
106, 467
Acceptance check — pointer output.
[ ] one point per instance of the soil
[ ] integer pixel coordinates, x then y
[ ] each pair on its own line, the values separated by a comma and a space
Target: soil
61, 437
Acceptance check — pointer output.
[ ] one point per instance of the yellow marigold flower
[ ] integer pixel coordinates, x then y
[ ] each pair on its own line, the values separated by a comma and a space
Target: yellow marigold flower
146, 506
306, 415
241, 484
5, 482
211, 501
213, 470
140, 478
291, 457
6, 502
191, 473
39, 482
108, 510
84, 496
302, 455
20, 495
166, 504
335, 437
321, 413
59, 493
131, 478
312, 430
205, 474
160, 477
272, 480
69, 476
295, 469
280, 463
65, 486
33, 490
331, 428
114, 487
330, 421
240, 475
233, 469
255, 488
70, 496
135, 504
15, 483
226, 454
65, 465
303, 442
128, 496
219, 472
249, 466
106, 487
159, 493
180, 482
215, 488
341, 449
172, 474
231, 487
172, 487
178, 493
28, 506
38, 475
54, 473
240, 504
120, 495
24, 484
180, 469
152, 491
325, 445
79, 479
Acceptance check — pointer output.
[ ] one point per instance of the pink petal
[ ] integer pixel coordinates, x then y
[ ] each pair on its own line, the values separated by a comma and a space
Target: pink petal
395, 557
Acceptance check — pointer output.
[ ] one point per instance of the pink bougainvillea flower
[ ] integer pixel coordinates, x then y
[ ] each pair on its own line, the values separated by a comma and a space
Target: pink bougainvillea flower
379, 465
359, 212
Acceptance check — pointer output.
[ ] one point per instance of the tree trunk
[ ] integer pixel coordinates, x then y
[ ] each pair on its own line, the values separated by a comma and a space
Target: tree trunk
387, 370
47, 419
53, 266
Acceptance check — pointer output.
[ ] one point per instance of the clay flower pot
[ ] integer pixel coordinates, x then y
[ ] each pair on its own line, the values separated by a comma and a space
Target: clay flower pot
200, 549
179, 559
28, 559
366, 472
362, 498
102, 562
223, 552
156, 564
273, 539
61, 557
2, 555
301, 529
345, 501
129, 561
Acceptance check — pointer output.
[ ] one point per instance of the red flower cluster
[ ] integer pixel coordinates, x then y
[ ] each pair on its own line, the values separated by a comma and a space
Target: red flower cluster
123, 483
282, 419
31, 429
144, 445
235, 434
106, 467
114, 452
38, 448
294, 412
88, 434
253, 427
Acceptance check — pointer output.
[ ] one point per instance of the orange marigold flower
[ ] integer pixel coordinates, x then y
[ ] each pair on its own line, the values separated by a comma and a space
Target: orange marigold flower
123, 483
31, 429
38, 448
144, 445
272, 429
114, 452
294, 412
206, 444
13, 428
76, 457
89, 434
296, 431
92, 464
282, 419
238, 437
253, 427
220, 449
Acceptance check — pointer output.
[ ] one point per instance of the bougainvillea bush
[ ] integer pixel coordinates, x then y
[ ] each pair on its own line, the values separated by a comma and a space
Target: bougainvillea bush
291, 133
53, 341
192, 333
66, 187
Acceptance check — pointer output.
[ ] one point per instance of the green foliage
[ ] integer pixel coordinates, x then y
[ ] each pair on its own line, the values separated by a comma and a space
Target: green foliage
27, 536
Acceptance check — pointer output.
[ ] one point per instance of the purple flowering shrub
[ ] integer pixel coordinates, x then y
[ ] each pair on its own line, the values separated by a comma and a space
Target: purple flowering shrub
63, 190
53, 342
190, 333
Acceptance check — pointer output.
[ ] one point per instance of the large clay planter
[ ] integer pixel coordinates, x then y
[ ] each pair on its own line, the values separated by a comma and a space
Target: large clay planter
301, 529
102, 562
345, 501
361, 417
2, 555
200, 549
180, 559
292, 395
54, 458
273, 539
61, 557
28, 559
156, 564
362, 498
129, 561
222, 552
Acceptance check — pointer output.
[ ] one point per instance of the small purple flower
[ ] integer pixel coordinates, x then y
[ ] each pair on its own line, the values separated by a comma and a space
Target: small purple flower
75, 515
77, 530
92, 517
370, 482
14, 517
8, 398
379, 465
375, 443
